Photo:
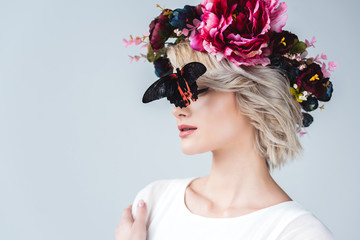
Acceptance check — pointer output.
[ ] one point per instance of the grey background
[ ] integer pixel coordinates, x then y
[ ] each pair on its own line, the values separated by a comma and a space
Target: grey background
77, 144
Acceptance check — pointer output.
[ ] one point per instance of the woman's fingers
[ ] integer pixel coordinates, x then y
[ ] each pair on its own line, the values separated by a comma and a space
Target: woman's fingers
141, 212
123, 231
130, 229
139, 226
127, 216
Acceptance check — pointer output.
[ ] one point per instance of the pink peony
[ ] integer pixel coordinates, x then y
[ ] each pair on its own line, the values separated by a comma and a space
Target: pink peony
238, 29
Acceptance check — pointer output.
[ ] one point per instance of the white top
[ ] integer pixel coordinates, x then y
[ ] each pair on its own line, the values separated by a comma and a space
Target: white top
169, 218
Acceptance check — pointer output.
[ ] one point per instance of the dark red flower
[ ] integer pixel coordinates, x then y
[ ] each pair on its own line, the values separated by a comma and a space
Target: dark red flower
160, 31
280, 43
312, 80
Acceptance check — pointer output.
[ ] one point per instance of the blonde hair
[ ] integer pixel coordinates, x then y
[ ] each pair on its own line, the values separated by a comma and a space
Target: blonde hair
263, 95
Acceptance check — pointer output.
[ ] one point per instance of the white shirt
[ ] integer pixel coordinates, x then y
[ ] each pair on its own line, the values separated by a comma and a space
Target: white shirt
168, 218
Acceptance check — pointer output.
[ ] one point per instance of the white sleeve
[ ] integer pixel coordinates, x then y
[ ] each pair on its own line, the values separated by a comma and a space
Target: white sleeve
306, 227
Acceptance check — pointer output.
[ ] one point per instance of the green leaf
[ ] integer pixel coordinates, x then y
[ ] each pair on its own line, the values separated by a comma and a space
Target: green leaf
298, 47
309, 61
180, 38
173, 35
150, 55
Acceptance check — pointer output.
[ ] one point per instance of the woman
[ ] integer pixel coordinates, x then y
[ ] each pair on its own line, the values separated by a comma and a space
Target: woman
246, 113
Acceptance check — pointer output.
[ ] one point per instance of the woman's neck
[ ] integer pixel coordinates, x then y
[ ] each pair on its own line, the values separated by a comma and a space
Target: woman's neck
241, 178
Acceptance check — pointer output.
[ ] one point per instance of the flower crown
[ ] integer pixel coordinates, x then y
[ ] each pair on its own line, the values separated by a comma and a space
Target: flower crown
246, 32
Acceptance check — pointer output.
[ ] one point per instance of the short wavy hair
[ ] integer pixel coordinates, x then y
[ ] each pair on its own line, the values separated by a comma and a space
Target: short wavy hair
262, 93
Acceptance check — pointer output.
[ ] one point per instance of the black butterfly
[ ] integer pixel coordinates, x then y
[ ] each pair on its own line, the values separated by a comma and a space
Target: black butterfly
177, 87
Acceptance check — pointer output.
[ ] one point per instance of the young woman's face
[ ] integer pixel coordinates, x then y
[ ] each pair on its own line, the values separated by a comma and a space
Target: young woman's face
219, 123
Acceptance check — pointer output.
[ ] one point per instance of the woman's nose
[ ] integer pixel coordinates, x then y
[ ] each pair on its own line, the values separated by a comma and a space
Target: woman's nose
181, 112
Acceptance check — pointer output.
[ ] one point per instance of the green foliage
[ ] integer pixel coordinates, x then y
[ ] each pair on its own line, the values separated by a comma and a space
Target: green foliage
153, 56
298, 47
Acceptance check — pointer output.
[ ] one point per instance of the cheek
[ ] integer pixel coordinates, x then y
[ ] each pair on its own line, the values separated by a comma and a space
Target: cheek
222, 129
224, 124
220, 124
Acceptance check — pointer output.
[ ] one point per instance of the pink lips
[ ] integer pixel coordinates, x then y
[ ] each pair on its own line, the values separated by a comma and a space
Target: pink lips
186, 130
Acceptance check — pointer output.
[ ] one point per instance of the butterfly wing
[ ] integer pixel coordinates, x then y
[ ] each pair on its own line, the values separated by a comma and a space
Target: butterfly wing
173, 86
192, 71
161, 88
172, 93
189, 74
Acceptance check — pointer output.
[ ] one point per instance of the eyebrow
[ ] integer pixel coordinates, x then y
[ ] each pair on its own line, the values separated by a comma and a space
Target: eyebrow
202, 90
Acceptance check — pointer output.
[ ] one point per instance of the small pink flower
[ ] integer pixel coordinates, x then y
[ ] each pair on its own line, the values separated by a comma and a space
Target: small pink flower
136, 41
332, 65
323, 56
311, 44
300, 131
325, 71
316, 59
145, 46
136, 58
127, 42
192, 28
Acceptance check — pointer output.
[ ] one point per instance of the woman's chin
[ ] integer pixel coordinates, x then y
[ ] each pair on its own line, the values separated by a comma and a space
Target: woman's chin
191, 150
188, 152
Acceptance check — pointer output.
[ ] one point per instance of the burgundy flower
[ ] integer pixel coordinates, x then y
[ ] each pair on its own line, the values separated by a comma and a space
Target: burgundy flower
160, 31
194, 11
238, 29
280, 43
312, 80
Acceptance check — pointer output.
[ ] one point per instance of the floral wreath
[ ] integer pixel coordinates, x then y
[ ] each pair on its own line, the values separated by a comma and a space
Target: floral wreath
246, 32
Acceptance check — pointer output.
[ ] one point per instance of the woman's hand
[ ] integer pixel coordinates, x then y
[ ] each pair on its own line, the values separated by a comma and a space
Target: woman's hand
129, 229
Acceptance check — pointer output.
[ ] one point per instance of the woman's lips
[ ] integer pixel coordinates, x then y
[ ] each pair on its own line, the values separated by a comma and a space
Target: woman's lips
186, 130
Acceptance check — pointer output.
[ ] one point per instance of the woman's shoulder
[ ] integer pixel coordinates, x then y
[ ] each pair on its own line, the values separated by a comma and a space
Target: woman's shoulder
161, 185
290, 220
153, 192
306, 226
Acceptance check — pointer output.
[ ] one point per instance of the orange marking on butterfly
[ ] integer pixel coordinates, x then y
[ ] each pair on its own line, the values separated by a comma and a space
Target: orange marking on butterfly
185, 95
